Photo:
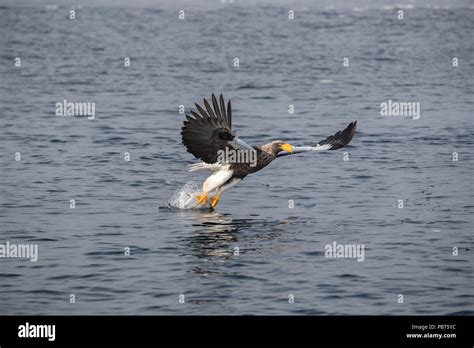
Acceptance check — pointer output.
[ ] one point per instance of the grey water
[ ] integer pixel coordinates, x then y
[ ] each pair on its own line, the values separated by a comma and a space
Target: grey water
266, 239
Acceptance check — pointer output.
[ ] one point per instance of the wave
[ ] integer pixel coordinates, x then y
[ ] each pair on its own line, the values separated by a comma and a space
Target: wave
186, 197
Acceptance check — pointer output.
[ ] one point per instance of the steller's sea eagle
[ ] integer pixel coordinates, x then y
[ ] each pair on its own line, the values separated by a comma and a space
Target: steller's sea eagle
208, 135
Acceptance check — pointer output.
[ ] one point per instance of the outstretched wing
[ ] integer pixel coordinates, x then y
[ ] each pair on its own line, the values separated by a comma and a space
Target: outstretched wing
210, 130
341, 138
333, 142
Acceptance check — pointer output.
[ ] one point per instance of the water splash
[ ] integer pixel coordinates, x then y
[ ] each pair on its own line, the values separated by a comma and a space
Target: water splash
186, 197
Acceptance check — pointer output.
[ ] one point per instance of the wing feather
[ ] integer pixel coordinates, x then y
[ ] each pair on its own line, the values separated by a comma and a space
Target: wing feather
209, 109
229, 114
209, 130
216, 108
332, 142
341, 138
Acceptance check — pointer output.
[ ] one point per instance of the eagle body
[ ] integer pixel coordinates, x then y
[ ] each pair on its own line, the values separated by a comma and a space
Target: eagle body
241, 170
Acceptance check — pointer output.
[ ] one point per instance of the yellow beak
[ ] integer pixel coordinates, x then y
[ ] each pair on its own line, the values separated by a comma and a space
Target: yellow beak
287, 147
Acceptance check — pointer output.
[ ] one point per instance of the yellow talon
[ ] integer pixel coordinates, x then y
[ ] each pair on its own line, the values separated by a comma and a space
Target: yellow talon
202, 199
215, 200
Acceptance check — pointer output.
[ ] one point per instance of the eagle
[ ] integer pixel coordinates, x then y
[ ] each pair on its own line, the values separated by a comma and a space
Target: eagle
208, 135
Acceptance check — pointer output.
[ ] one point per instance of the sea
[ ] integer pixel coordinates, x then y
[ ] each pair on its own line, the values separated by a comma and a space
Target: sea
97, 193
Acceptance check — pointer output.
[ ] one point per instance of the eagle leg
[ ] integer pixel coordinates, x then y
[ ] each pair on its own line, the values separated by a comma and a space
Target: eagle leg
215, 200
202, 198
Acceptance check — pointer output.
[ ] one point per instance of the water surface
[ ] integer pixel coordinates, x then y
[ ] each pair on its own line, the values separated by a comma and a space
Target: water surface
123, 204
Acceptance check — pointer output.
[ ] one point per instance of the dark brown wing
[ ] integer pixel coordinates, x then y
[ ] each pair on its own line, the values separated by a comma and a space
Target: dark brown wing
208, 131
333, 142
341, 138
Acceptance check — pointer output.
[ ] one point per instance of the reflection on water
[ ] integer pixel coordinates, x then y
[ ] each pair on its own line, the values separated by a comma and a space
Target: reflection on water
213, 234
217, 237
